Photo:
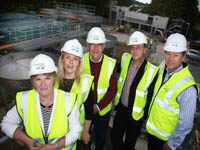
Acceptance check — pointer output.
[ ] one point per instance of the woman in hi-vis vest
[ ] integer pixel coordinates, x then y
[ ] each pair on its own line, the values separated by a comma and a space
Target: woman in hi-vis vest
72, 79
49, 115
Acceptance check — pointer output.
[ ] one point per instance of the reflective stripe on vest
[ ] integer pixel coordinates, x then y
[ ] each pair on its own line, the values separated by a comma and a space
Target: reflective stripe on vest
165, 105
27, 99
110, 70
82, 91
156, 130
125, 57
120, 78
107, 68
24, 105
142, 90
148, 82
142, 87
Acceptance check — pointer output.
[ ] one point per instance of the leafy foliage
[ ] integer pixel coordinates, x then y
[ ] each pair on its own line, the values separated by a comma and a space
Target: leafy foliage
195, 32
24, 5
185, 9
124, 2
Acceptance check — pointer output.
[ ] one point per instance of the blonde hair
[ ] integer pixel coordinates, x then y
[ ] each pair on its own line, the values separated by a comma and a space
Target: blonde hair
61, 73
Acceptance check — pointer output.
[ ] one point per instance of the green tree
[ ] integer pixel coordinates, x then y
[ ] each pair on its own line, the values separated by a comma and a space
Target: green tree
24, 5
185, 9
124, 2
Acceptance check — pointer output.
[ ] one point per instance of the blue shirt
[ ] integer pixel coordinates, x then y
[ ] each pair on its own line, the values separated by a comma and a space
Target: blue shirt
187, 102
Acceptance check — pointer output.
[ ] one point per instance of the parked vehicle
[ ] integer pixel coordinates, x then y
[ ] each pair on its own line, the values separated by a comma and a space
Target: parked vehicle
193, 54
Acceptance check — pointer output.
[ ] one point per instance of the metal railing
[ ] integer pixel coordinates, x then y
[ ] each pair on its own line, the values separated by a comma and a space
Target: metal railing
77, 8
47, 28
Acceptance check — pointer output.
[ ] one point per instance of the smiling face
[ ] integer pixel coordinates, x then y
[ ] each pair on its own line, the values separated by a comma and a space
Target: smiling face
44, 83
96, 50
70, 64
138, 51
173, 60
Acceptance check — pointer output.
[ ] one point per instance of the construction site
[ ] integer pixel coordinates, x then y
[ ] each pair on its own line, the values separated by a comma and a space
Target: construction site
23, 36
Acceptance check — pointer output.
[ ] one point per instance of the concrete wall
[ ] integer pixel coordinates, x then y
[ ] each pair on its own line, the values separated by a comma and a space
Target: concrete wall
133, 14
136, 15
118, 12
160, 22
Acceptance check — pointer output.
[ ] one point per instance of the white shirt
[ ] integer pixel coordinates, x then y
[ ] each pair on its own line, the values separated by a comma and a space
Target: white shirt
12, 121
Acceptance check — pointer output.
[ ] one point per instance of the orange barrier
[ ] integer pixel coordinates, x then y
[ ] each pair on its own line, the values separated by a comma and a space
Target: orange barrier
42, 15
6, 46
69, 17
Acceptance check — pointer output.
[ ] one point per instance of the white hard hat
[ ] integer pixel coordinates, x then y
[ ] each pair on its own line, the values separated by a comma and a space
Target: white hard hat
96, 35
42, 64
73, 47
137, 38
176, 43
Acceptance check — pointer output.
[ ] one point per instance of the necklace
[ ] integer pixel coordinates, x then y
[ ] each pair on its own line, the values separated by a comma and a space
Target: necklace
46, 108
48, 105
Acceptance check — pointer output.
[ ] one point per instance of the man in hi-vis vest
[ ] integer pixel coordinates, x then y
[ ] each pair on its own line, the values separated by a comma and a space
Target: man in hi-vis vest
103, 68
136, 75
173, 103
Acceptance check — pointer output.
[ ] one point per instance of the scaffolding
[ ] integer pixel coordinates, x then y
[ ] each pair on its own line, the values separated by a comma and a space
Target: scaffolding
83, 9
43, 43
13, 31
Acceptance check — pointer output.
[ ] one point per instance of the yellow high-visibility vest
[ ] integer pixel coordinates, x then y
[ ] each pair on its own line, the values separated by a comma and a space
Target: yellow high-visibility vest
82, 92
107, 68
164, 111
26, 107
142, 87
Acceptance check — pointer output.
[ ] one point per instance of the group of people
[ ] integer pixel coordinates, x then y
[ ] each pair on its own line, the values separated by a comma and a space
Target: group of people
65, 101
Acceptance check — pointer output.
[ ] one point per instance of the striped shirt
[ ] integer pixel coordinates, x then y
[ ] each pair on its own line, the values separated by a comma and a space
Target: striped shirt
46, 118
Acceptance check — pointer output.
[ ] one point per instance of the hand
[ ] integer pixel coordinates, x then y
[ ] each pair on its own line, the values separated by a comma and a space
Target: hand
33, 145
166, 146
86, 137
95, 109
48, 147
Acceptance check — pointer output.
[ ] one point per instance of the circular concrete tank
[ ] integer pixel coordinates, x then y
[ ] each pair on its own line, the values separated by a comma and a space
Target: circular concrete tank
14, 76
15, 66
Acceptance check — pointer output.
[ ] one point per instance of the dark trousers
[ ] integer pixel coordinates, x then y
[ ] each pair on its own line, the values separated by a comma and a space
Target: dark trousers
100, 124
124, 123
154, 143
